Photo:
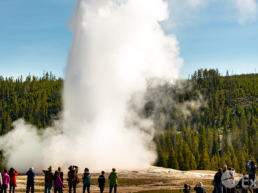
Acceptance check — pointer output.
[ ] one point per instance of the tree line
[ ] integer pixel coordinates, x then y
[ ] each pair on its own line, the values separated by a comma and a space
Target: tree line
222, 130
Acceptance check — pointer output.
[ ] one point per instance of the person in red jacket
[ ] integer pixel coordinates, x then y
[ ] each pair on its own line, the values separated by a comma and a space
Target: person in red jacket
12, 173
6, 181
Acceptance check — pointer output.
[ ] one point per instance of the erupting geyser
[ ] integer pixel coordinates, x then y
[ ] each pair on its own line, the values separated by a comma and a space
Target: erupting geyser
117, 46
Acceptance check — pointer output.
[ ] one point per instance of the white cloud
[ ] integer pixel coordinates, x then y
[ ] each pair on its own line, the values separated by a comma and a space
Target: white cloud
194, 3
247, 10
184, 12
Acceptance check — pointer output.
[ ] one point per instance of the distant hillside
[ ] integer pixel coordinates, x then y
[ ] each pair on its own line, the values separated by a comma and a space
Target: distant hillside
207, 121
223, 131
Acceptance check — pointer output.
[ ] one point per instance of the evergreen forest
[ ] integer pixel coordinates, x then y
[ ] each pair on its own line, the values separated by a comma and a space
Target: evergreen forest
207, 121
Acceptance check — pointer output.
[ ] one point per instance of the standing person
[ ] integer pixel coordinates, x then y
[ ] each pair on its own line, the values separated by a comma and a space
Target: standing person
248, 166
61, 173
187, 188
225, 168
217, 181
1, 182
86, 180
5, 181
73, 179
48, 179
252, 172
199, 188
12, 173
113, 180
225, 172
57, 182
30, 180
101, 181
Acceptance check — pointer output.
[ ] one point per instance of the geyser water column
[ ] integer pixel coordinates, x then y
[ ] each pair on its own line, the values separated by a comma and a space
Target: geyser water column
117, 45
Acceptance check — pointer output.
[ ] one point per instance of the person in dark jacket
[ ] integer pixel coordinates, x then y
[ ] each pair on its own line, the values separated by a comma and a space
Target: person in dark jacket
187, 188
30, 180
61, 173
199, 188
72, 179
102, 181
49, 174
12, 173
217, 181
252, 172
86, 180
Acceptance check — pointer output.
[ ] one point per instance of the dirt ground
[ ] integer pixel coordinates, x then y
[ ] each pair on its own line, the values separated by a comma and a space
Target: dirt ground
153, 178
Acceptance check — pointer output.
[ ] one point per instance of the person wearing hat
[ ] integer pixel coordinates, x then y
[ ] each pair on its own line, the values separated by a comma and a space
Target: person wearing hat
48, 179
113, 181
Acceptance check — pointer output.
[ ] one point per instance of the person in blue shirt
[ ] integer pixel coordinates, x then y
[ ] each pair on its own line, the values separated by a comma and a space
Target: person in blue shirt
30, 180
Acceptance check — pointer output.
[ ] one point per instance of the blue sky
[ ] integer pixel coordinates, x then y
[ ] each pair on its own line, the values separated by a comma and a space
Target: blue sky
219, 34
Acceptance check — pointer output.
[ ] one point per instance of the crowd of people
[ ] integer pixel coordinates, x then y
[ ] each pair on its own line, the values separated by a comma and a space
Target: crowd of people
223, 180
8, 178
55, 180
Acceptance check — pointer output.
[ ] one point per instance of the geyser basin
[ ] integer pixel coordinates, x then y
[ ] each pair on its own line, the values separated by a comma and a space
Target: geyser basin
117, 45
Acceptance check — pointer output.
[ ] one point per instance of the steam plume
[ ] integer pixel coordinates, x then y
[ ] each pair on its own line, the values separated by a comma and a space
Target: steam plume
117, 46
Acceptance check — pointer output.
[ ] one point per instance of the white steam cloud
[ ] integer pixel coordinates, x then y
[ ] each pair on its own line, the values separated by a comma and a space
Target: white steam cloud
117, 46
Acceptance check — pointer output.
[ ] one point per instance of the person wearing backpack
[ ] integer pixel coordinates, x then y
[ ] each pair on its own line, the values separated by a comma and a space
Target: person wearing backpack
86, 180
